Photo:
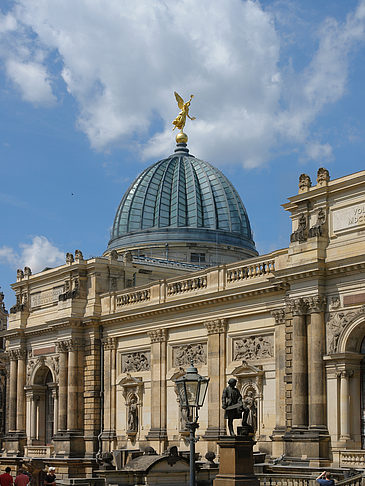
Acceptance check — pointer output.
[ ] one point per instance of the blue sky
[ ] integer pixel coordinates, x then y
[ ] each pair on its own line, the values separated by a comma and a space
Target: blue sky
86, 100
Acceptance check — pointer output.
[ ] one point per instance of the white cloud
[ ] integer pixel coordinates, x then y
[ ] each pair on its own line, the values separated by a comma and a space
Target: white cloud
38, 254
8, 256
319, 152
122, 60
7, 22
32, 80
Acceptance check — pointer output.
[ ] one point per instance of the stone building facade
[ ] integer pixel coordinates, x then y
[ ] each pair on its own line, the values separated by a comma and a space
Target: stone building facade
93, 359
3, 366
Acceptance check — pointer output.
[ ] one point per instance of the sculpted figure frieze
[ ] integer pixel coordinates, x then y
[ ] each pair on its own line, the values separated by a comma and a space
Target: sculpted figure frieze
253, 348
183, 355
136, 362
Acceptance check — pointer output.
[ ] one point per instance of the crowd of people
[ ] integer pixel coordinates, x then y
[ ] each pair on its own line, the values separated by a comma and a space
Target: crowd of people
23, 478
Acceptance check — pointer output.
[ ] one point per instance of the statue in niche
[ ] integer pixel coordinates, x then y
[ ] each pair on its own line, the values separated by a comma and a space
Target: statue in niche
133, 414
249, 416
232, 404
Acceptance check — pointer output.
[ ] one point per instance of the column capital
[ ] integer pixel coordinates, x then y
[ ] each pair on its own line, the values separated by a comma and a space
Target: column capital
157, 335
344, 373
298, 307
216, 326
62, 346
110, 343
316, 304
17, 353
279, 316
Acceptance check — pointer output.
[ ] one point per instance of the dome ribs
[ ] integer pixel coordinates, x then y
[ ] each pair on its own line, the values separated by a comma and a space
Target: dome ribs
163, 200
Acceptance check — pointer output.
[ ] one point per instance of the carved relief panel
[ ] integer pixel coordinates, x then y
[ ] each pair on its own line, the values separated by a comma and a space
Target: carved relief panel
253, 348
137, 361
184, 354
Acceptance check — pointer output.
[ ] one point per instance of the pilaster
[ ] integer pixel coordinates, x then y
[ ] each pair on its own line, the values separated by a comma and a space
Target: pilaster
109, 435
277, 436
217, 332
158, 433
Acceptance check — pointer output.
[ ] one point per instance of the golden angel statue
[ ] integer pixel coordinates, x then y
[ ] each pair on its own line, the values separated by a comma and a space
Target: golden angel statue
180, 120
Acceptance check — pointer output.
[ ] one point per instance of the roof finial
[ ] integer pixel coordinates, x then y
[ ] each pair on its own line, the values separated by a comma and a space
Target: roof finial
180, 120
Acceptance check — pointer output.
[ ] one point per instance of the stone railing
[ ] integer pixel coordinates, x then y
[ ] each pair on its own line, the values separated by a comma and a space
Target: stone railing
351, 481
285, 480
38, 451
354, 458
187, 285
250, 271
133, 297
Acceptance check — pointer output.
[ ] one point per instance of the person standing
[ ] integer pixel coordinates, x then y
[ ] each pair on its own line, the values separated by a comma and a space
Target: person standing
6, 479
324, 479
51, 477
21, 479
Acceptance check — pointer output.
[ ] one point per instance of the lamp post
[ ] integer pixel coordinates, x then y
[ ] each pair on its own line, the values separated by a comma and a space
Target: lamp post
192, 389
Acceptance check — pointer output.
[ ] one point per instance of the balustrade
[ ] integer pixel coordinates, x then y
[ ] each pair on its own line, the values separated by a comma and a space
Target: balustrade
134, 297
254, 270
187, 285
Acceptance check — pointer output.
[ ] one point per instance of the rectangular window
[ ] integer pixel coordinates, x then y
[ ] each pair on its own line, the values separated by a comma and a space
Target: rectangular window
197, 257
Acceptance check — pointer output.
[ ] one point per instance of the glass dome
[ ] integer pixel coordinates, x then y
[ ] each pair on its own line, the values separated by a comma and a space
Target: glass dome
181, 198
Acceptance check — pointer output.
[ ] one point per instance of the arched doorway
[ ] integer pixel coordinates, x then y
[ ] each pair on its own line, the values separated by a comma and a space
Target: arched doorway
42, 410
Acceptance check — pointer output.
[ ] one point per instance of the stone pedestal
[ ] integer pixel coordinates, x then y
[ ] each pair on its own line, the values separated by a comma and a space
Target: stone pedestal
236, 462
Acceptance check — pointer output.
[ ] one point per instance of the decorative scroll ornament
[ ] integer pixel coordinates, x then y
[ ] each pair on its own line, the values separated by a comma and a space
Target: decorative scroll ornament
183, 355
336, 323
136, 362
253, 348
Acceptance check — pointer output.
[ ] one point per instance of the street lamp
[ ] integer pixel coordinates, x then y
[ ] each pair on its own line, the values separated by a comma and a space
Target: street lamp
192, 389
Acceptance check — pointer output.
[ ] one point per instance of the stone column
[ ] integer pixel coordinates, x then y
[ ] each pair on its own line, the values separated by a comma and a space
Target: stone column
316, 350
12, 389
55, 410
109, 433
217, 331
62, 347
20, 392
299, 366
72, 389
278, 432
33, 417
158, 431
345, 376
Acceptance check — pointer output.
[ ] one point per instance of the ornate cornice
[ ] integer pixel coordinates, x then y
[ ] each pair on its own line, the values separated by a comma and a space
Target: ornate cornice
216, 326
279, 316
157, 335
